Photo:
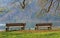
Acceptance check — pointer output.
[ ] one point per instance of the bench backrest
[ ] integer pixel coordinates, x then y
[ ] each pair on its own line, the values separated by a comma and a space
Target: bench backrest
15, 24
44, 24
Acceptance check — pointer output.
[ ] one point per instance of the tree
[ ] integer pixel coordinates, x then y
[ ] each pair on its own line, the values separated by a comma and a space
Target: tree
43, 3
22, 4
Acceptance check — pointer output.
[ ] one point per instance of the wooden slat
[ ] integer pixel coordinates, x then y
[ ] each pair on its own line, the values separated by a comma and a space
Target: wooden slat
16, 24
44, 24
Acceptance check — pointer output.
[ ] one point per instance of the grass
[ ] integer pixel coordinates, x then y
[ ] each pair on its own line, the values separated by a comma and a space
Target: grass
30, 34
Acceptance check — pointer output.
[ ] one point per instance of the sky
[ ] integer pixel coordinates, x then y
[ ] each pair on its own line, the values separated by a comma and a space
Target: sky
13, 13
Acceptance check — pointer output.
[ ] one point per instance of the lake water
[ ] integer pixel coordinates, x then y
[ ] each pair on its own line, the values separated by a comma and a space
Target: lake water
2, 28
29, 26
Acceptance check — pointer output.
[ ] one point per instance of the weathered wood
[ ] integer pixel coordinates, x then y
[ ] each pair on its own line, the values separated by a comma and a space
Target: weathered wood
15, 24
48, 25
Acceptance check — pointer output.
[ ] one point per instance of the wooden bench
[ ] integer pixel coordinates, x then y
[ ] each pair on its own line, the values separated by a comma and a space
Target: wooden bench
48, 25
22, 25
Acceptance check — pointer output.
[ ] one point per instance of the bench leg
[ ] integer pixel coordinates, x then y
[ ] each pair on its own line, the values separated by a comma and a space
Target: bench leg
7, 29
22, 28
49, 28
37, 28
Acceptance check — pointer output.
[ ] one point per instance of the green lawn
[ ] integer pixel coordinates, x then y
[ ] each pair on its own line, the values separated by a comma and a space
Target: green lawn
29, 35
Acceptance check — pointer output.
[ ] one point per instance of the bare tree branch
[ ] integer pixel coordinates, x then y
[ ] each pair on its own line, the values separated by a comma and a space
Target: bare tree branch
57, 7
50, 6
23, 4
